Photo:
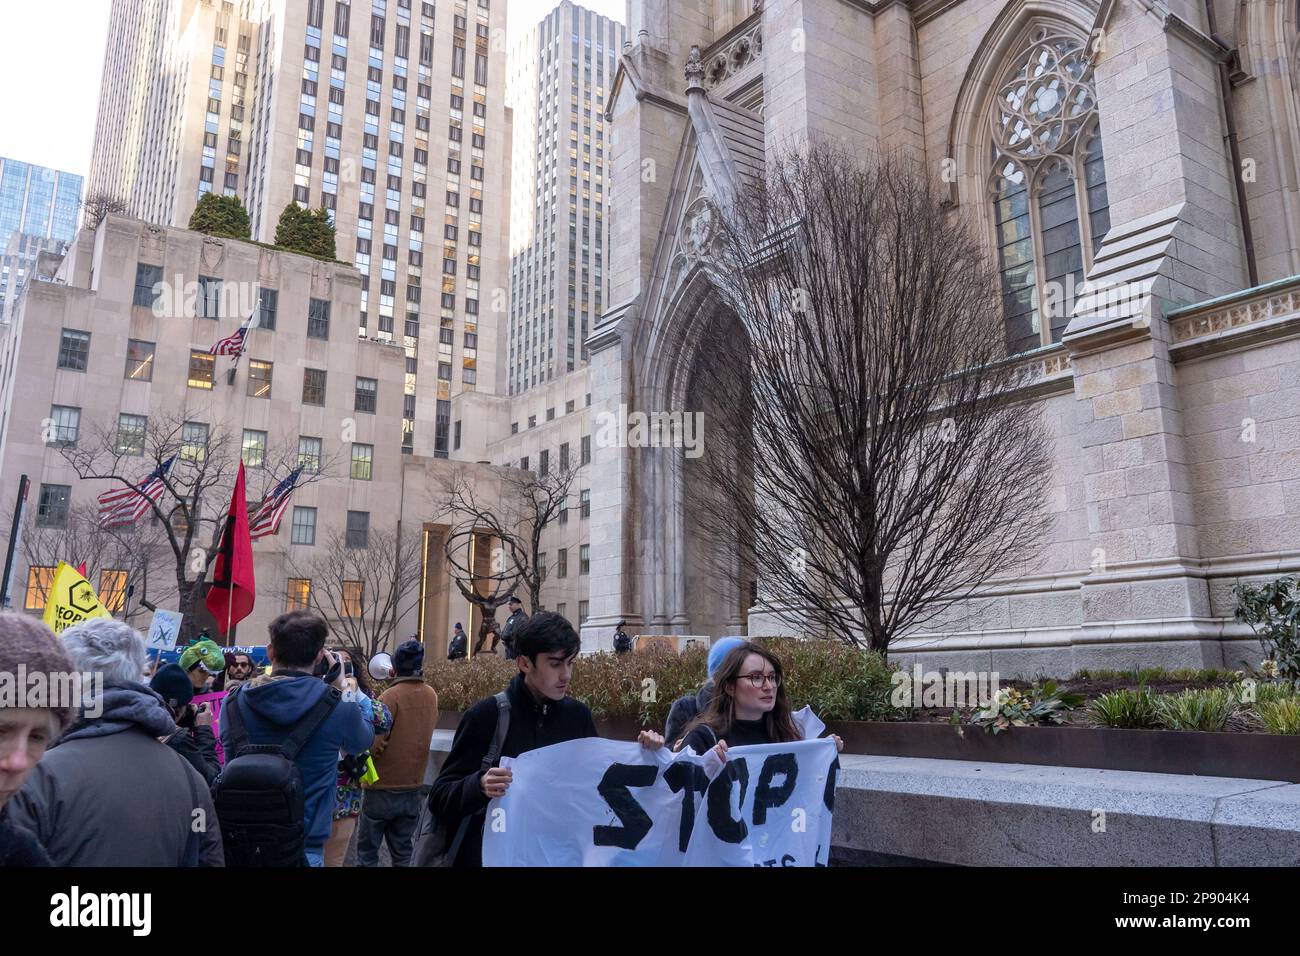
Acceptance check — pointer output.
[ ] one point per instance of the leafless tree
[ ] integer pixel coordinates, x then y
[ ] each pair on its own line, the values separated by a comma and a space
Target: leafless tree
98, 205
192, 507
514, 518
871, 450
362, 592
132, 550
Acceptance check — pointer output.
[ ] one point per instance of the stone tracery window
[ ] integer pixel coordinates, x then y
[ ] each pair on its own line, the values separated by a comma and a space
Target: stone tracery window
1047, 185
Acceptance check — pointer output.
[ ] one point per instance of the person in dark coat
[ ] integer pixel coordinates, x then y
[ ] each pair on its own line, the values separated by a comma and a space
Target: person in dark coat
27, 728
459, 644
685, 709
541, 714
509, 632
111, 793
194, 739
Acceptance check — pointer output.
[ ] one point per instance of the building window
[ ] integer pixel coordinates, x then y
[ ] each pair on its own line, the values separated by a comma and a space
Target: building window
562, 609
318, 319
202, 365
584, 499
148, 282
139, 360
586, 449
544, 463
564, 511
564, 456
74, 350
64, 425
304, 526
313, 386
584, 559
562, 563
1048, 186
130, 434
353, 597
362, 461
455, 432
254, 449
309, 454
259, 379
209, 297
366, 394
582, 613
112, 589
39, 579
267, 303
194, 441
298, 594
52, 512
358, 535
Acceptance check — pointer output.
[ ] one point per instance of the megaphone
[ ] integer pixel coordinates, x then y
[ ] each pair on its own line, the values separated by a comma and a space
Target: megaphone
381, 666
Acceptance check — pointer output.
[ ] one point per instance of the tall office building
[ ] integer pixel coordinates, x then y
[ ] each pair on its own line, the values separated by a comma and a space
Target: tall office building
560, 76
323, 102
38, 213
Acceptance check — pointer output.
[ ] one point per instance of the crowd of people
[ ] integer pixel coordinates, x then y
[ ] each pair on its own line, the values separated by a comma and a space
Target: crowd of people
211, 761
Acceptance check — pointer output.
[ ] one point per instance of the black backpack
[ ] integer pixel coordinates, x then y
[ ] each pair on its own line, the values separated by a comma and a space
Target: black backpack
259, 795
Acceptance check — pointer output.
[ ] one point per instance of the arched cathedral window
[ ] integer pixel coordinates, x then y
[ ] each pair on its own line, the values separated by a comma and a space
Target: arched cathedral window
1048, 185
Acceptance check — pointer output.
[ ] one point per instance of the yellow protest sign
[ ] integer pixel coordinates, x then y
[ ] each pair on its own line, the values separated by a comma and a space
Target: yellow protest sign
71, 601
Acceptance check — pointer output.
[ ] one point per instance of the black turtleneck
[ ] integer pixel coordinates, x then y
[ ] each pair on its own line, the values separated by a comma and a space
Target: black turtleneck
457, 792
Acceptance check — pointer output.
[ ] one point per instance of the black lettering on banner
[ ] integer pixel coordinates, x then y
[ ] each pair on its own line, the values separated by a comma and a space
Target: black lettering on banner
787, 860
613, 787
828, 795
767, 797
691, 778
719, 802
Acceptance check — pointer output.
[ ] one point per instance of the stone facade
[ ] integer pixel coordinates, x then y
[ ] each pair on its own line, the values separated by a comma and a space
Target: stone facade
1175, 413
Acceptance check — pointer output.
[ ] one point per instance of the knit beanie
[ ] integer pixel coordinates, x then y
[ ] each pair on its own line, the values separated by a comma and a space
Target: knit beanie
173, 685
24, 640
719, 650
409, 657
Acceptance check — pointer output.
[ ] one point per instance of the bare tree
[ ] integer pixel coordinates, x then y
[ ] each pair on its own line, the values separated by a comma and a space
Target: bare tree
527, 504
133, 551
98, 205
871, 451
362, 592
191, 510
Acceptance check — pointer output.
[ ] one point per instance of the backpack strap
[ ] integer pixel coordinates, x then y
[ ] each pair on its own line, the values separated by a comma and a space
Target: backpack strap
502, 728
307, 726
232, 722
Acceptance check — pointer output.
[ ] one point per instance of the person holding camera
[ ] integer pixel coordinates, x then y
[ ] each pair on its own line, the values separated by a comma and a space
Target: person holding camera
193, 739
352, 768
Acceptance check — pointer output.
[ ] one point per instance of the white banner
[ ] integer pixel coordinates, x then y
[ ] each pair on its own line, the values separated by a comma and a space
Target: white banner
164, 630
596, 802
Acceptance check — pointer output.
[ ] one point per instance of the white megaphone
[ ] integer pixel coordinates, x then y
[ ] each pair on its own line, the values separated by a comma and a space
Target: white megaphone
381, 666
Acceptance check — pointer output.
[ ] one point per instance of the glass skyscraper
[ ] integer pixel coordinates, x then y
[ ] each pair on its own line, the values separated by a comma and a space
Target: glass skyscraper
38, 211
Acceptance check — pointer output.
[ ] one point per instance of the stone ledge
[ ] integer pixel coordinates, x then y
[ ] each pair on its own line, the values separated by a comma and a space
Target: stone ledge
984, 814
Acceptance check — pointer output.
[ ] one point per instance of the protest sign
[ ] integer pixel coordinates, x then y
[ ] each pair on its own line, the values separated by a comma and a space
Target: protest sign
71, 600
595, 802
163, 630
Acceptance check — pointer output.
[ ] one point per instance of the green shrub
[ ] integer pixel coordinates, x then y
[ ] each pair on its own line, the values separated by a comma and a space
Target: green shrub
840, 682
1265, 692
1280, 716
1197, 709
306, 230
220, 216
1134, 709
1273, 612
1037, 705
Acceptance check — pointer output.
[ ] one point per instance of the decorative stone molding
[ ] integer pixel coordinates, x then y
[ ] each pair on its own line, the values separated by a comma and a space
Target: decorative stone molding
737, 50
698, 233
213, 254
153, 242
1285, 304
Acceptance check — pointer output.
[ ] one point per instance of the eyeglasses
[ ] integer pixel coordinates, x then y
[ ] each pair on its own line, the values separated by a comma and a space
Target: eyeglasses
758, 680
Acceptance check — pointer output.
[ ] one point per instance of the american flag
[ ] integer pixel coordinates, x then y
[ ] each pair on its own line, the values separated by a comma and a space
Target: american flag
233, 344
266, 519
125, 505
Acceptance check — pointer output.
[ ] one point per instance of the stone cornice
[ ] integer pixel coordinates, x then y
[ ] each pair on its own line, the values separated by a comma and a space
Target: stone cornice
1247, 319
606, 332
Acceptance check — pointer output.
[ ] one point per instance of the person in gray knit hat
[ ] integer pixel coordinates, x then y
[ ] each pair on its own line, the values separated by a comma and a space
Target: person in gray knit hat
28, 723
111, 793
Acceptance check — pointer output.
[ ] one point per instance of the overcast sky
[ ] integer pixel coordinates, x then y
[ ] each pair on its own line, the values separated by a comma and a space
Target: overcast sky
51, 54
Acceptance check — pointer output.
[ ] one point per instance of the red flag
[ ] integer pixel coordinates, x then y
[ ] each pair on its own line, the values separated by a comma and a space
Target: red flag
233, 591
81, 569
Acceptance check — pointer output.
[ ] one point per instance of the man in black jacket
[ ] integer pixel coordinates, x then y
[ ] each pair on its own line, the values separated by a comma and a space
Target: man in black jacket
510, 632
193, 739
541, 714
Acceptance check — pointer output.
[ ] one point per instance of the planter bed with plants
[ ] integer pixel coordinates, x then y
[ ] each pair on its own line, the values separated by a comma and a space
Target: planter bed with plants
1208, 722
